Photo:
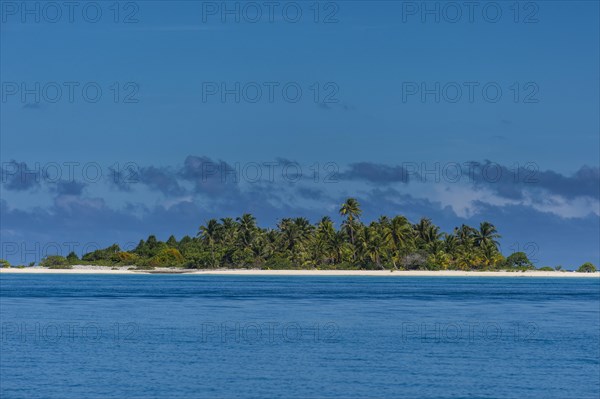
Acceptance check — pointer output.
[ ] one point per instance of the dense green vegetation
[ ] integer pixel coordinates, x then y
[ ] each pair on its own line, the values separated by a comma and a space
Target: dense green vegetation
587, 267
56, 262
388, 243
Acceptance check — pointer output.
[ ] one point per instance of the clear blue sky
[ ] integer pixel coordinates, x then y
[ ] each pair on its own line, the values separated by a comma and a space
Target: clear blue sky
363, 116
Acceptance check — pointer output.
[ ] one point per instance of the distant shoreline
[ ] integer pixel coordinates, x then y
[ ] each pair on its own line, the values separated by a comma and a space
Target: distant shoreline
105, 270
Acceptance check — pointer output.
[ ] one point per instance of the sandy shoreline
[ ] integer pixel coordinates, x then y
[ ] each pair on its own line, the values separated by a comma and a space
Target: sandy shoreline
249, 272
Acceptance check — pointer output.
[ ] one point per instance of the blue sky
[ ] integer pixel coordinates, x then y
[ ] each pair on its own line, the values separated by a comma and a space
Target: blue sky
380, 117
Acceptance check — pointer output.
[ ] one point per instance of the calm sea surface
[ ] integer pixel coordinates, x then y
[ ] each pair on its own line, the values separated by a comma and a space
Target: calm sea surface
149, 336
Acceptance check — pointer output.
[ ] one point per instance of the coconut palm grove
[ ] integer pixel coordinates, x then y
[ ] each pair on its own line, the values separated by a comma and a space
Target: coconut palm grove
389, 243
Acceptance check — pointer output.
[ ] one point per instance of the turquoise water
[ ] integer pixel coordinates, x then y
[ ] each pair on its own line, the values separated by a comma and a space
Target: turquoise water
78, 336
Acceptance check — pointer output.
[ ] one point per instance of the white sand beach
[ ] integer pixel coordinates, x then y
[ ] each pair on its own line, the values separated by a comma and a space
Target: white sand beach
86, 269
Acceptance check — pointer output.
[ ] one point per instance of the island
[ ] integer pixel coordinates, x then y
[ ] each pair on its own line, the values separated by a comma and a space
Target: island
390, 244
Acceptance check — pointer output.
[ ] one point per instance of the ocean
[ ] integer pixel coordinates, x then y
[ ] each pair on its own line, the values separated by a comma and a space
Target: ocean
181, 336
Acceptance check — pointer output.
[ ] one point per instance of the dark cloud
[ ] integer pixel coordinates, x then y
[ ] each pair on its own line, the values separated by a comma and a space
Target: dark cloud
18, 176
291, 171
376, 173
512, 182
211, 177
69, 187
220, 179
161, 179
123, 179
584, 182
214, 178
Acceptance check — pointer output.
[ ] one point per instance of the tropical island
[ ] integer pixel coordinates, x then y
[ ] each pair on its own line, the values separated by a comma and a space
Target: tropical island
296, 244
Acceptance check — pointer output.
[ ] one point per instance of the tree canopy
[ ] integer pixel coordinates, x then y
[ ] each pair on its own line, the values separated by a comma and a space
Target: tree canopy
295, 243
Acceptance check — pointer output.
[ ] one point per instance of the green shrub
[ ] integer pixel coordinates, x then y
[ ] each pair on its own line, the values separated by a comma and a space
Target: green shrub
278, 262
519, 261
199, 260
167, 257
126, 258
54, 261
105, 254
433, 266
245, 258
4, 263
587, 267
72, 258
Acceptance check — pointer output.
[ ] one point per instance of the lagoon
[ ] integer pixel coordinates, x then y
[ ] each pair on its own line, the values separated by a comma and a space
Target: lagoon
215, 336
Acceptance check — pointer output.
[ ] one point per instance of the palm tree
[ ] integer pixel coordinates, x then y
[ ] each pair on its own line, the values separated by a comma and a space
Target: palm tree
432, 235
435, 246
351, 210
371, 244
228, 231
465, 235
325, 228
399, 236
427, 232
421, 228
305, 229
289, 234
247, 229
209, 233
261, 248
489, 253
227, 239
486, 235
339, 246
451, 244
295, 234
